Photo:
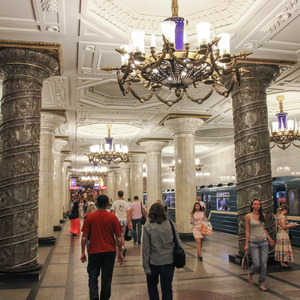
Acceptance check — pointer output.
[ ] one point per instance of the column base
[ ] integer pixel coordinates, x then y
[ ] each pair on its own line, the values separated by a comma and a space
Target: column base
62, 221
57, 228
47, 241
30, 272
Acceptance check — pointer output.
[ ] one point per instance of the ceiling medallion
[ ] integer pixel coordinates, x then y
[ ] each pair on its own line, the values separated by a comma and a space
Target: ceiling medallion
284, 132
177, 67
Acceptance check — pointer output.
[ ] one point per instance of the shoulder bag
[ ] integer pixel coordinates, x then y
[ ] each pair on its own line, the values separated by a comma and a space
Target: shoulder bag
179, 254
143, 220
206, 228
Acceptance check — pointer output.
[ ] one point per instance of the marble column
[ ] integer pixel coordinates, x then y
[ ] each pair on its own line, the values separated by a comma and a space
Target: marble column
125, 180
58, 183
111, 186
23, 68
137, 176
118, 182
153, 159
185, 188
49, 123
65, 184
252, 145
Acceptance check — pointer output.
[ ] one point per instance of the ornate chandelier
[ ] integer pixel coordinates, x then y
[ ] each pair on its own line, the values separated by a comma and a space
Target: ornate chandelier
109, 153
284, 132
177, 67
96, 171
197, 165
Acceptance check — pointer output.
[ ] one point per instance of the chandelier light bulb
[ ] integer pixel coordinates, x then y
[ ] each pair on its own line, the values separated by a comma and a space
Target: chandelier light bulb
153, 40
203, 32
168, 30
125, 57
224, 43
290, 125
275, 126
197, 161
137, 38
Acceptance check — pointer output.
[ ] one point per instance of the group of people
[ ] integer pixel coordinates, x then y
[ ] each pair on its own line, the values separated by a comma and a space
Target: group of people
258, 241
104, 231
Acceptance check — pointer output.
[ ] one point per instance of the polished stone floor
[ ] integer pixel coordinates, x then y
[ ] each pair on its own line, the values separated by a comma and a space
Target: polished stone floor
65, 277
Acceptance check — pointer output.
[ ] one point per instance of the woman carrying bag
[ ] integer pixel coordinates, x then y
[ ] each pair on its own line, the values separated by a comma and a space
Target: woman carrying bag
158, 252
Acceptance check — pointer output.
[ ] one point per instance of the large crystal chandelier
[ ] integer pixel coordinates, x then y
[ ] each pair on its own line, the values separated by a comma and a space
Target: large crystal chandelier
110, 153
177, 67
96, 171
284, 132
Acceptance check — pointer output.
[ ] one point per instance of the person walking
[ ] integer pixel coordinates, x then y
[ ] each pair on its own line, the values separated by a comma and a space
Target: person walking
136, 217
121, 209
257, 240
197, 217
158, 252
283, 247
75, 220
104, 230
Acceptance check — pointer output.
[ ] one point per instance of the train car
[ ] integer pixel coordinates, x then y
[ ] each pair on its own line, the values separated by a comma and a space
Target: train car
221, 203
168, 200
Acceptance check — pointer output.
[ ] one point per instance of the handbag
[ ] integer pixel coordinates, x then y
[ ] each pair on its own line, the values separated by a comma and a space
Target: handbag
143, 219
206, 228
245, 262
128, 234
179, 254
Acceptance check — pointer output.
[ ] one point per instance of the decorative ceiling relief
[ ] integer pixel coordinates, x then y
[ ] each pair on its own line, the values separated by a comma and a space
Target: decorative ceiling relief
49, 5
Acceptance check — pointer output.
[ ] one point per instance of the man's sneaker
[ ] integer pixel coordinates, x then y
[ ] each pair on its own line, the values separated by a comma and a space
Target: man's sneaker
134, 243
124, 250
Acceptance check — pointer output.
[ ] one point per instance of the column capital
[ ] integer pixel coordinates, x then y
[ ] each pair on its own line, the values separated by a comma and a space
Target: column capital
184, 125
138, 158
154, 145
59, 144
125, 166
50, 121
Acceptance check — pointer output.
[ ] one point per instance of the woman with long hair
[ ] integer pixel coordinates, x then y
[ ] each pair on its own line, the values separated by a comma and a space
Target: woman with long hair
75, 220
283, 248
158, 250
197, 217
257, 240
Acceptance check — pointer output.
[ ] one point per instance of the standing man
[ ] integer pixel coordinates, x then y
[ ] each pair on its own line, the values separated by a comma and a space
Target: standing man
104, 229
136, 216
200, 201
121, 209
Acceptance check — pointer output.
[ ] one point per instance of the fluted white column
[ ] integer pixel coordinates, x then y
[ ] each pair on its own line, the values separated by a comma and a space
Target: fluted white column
137, 176
111, 186
125, 180
185, 189
49, 122
58, 183
118, 182
154, 185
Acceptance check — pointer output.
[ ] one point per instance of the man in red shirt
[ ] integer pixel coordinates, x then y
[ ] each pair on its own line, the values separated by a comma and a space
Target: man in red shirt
104, 230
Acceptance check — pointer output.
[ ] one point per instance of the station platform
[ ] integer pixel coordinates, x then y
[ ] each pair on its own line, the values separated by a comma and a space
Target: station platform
64, 277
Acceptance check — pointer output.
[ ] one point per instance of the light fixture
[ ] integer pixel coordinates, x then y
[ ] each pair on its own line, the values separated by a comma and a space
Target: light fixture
177, 67
96, 171
109, 153
284, 132
197, 165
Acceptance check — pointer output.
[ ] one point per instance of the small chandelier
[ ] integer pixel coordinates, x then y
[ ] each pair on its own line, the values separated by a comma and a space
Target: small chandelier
197, 165
96, 171
284, 132
109, 153
177, 67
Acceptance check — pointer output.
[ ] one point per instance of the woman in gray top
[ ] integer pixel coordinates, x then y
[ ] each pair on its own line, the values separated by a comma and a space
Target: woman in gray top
158, 249
258, 240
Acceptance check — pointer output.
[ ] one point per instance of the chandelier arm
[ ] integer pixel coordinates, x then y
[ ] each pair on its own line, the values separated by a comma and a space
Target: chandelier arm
170, 102
201, 99
215, 66
121, 85
227, 91
298, 146
141, 99
204, 57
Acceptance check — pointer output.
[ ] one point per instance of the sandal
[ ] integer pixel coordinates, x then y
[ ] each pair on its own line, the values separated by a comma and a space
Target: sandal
262, 288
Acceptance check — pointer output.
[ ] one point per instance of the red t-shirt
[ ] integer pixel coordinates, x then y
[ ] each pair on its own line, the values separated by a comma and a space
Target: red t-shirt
102, 227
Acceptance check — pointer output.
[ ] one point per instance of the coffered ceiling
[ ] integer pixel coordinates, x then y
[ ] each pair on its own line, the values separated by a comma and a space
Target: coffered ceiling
90, 30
